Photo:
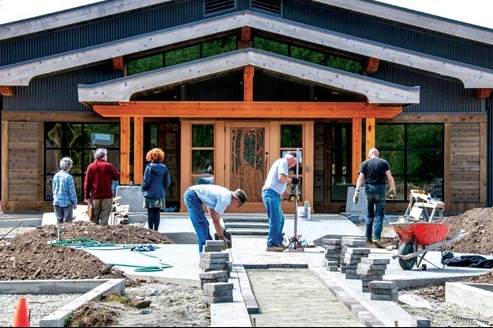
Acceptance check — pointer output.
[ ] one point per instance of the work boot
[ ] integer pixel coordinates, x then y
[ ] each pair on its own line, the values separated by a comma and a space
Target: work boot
377, 243
275, 249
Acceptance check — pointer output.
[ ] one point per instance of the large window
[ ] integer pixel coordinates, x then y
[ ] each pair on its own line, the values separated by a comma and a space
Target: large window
340, 152
202, 153
416, 157
78, 141
292, 140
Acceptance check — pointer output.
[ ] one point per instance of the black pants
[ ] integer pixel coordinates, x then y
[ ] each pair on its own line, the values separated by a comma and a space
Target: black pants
153, 217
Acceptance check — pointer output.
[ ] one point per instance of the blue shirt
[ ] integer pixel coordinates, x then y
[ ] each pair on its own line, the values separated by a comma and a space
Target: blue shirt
214, 196
63, 188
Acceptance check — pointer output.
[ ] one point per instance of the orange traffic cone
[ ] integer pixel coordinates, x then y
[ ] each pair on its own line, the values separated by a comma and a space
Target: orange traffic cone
21, 317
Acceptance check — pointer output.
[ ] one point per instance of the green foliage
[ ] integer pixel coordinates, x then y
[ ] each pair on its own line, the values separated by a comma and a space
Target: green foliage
308, 55
217, 47
291, 136
203, 135
145, 64
271, 46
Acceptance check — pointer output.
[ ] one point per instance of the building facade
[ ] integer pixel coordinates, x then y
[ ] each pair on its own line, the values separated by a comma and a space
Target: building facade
230, 86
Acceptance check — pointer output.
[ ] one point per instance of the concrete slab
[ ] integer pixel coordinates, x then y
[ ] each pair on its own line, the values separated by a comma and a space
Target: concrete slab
93, 289
475, 297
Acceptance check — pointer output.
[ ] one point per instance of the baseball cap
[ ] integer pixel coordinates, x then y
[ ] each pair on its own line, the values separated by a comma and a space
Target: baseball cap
240, 195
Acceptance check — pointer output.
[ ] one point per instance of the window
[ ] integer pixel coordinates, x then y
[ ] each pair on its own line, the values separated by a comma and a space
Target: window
77, 141
291, 140
340, 136
202, 153
416, 156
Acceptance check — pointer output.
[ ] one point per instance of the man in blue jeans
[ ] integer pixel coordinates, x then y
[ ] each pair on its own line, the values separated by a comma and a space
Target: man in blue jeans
216, 199
374, 171
273, 193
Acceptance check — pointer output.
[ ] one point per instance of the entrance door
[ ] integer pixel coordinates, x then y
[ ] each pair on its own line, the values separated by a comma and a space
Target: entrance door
247, 159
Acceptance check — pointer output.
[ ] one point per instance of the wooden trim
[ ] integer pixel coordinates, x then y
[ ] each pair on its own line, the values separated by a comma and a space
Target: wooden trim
482, 93
5, 160
372, 65
483, 163
447, 162
41, 161
370, 135
124, 150
248, 74
7, 91
138, 150
185, 160
440, 118
356, 147
242, 109
221, 176
308, 161
118, 63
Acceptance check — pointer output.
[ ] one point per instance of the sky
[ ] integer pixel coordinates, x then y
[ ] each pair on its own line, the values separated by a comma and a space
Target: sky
477, 12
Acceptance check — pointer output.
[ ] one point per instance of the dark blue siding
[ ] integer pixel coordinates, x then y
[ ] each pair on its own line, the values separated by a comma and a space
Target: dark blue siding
58, 93
437, 94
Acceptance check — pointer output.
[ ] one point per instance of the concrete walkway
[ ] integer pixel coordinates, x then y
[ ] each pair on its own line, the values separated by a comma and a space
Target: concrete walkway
249, 253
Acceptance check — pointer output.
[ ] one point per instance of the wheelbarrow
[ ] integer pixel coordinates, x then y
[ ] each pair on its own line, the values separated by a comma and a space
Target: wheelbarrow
418, 234
417, 238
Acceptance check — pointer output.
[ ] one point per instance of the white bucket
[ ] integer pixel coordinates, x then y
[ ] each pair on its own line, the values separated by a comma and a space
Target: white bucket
301, 212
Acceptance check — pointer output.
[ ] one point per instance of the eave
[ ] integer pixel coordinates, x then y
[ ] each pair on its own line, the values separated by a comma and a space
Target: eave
20, 74
121, 90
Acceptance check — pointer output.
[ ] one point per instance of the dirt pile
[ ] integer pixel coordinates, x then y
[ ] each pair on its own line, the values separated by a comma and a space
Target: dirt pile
478, 223
32, 255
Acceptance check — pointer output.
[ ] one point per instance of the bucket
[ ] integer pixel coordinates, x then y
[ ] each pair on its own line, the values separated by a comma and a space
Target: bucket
301, 212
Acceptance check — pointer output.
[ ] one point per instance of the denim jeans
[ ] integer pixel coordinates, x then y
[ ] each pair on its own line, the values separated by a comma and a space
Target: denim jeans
197, 215
272, 202
375, 196
64, 214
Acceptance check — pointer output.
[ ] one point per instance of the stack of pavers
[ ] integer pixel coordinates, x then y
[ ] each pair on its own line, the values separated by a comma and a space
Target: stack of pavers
384, 291
371, 269
216, 269
352, 252
332, 248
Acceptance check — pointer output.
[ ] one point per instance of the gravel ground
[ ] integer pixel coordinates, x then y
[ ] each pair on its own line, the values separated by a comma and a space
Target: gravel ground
39, 306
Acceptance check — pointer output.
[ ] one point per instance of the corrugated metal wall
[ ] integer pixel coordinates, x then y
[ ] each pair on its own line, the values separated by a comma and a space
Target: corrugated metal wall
373, 28
58, 93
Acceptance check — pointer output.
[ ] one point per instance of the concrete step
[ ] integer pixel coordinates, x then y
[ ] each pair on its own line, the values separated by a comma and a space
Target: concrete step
246, 225
247, 232
245, 219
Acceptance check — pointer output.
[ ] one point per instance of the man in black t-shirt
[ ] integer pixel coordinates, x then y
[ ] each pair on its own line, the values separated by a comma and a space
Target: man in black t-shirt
374, 172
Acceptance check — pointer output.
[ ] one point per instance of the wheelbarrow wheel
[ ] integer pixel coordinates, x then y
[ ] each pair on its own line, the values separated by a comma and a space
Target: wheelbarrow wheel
407, 248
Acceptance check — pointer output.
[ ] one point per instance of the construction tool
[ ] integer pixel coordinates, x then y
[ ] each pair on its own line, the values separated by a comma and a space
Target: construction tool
294, 242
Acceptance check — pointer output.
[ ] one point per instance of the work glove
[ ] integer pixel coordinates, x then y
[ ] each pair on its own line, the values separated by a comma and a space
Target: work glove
295, 181
392, 192
356, 197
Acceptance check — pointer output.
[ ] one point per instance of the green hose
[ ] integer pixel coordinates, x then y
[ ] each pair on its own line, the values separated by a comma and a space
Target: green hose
93, 244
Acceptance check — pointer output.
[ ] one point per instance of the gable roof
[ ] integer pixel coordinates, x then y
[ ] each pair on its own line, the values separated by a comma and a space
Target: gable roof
121, 90
21, 73
377, 9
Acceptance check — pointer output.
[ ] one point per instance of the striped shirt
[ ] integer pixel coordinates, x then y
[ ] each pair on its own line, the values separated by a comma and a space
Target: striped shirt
63, 188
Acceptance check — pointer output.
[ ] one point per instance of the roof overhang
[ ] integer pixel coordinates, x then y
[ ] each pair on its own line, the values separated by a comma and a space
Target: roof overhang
122, 89
385, 11
20, 74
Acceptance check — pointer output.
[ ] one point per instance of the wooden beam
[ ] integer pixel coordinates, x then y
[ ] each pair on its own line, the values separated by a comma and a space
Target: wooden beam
370, 135
248, 73
245, 38
7, 91
356, 146
118, 63
482, 93
124, 150
138, 149
372, 65
250, 109
4, 196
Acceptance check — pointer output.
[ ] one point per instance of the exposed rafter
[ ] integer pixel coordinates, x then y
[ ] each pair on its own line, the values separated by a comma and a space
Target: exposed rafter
122, 89
472, 76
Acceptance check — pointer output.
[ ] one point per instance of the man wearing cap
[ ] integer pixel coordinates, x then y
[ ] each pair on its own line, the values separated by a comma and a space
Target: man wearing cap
216, 199
273, 192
